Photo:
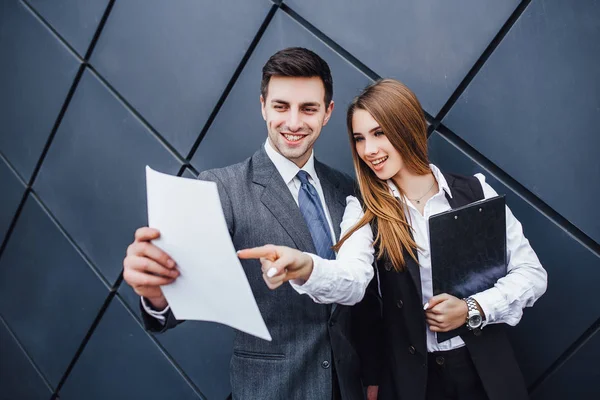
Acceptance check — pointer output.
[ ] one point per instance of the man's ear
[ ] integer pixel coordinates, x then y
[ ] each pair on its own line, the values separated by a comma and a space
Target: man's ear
262, 107
328, 113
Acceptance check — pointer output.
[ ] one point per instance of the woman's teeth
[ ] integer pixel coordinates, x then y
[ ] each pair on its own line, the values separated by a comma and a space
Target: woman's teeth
379, 160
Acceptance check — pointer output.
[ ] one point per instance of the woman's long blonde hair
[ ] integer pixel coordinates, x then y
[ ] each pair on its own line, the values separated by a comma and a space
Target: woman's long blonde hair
400, 116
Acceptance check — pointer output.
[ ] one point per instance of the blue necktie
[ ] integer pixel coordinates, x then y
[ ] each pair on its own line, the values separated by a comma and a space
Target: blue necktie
314, 215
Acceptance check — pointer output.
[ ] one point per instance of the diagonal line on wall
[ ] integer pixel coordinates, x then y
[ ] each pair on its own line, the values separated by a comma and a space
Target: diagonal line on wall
544, 209
330, 43
521, 191
345, 54
101, 24
567, 354
112, 90
28, 186
479, 64
49, 26
162, 349
233, 80
27, 355
85, 340
55, 127
71, 241
17, 213
159, 137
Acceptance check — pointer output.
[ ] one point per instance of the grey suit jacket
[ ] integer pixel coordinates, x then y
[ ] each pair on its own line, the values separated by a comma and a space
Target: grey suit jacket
297, 364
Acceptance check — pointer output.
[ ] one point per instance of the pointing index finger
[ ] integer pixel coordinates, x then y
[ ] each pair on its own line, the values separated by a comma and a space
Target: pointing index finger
267, 252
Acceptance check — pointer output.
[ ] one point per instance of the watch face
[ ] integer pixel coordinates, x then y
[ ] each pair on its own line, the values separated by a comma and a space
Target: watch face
475, 321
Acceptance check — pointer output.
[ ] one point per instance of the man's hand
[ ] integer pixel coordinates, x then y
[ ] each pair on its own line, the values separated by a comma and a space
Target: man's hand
372, 392
280, 263
445, 313
146, 267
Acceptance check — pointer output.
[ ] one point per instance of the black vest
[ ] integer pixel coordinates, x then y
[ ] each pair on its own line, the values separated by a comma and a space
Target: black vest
396, 348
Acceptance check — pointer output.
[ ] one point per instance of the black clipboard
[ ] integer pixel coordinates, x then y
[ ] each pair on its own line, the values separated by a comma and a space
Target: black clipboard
468, 251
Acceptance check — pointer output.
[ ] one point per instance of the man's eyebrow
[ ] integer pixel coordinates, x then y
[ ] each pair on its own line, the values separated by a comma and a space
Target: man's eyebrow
307, 104
311, 104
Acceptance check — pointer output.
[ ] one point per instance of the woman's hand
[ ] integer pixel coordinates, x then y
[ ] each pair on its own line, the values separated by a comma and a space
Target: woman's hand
280, 263
372, 392
445, 312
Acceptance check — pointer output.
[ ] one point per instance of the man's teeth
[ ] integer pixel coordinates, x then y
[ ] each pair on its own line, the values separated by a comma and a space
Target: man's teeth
293, 138
379, 160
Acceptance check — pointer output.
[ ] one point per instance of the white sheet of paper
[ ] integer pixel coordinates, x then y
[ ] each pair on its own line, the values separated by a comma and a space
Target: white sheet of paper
212, 285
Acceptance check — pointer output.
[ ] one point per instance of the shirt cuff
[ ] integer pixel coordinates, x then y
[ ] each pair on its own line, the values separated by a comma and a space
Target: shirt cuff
159, 315
317, 281
493, 304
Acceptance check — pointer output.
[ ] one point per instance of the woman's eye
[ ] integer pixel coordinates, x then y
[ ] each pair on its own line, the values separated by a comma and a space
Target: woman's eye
379, 133
358, 139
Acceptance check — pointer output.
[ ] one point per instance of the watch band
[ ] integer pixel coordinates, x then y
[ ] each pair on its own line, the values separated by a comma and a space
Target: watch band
471, 304
473, 312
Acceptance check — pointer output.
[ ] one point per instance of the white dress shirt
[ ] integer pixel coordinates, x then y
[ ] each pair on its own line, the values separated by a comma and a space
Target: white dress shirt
523, 284
343, 280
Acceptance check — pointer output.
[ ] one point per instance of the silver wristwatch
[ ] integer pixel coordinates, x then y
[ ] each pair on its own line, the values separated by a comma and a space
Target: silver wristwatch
474, 319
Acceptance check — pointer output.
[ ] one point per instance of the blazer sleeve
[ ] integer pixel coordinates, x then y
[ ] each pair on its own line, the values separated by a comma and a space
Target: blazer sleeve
152, 324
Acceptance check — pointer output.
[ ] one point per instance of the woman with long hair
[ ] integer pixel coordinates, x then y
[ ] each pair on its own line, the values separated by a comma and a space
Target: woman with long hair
400, 191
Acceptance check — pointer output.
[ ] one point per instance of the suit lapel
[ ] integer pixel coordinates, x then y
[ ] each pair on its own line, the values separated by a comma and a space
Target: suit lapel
277, 198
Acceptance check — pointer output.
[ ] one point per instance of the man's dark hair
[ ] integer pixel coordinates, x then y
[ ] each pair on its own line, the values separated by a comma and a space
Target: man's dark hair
297, 62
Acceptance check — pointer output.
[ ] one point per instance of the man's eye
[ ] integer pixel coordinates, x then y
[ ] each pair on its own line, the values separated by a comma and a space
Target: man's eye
278, 107
310, 110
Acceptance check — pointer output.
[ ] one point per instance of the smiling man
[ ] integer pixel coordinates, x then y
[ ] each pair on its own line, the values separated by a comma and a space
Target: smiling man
279, 195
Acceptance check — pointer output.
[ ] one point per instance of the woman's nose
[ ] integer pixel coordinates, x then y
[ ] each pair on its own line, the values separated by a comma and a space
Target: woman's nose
371, 147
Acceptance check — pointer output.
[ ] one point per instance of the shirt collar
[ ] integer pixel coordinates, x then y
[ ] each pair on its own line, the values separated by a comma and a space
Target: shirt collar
437, 174
286, 168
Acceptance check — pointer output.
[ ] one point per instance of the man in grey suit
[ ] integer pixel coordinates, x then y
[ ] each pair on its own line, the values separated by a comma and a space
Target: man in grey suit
280, 195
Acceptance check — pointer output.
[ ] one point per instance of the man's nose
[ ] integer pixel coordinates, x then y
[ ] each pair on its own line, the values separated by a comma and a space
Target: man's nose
294, 123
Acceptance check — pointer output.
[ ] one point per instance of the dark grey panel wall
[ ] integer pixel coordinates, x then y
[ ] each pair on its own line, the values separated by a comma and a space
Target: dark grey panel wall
164, 59
188, 173
212, 344
76, 21
577, 378
12, 191
48, 295
232, 138
36, 73
156, 74
533, 108
537, 341
93, 178
18, 377
122, 360
430, 45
